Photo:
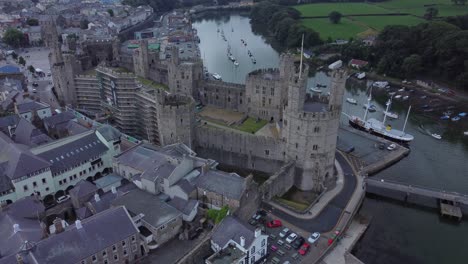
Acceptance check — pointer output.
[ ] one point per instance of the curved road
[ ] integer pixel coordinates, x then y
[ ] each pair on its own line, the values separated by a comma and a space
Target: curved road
330, 214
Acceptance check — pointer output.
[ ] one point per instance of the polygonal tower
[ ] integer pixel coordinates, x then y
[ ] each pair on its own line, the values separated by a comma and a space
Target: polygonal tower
176, 118
310, 128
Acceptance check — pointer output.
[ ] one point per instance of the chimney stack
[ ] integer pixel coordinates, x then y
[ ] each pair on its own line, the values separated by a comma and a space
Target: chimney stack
96, 197
59, 228
114, 190
258, 232
16, 228
78, 224
242, 241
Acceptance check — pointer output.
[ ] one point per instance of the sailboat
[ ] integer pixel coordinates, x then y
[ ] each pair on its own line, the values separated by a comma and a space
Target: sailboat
379, 128
388, 113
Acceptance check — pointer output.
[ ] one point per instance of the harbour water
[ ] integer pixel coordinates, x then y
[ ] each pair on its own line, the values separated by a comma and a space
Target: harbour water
398, 233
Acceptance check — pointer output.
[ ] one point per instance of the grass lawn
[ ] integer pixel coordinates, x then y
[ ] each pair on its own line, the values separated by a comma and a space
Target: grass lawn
418, 7
343, 8
295, 205
251, 125
343, 30
150, 83
379, 22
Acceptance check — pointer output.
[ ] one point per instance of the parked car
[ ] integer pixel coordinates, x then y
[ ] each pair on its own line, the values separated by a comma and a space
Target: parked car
62, 199
35, 84
298, 242
304, 249
34, 90
274, 223
284, 232
291, 238
391, 147
274, 248
313, 237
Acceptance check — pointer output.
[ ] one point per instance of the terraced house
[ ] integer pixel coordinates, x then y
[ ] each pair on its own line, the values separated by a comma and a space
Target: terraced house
51, 169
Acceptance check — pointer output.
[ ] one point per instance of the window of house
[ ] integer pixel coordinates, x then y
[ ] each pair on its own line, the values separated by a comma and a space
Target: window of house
123, 243
114, 248
133, 238
106, 261
25, 188
104, 253
94, 258
315, 147
34, 184
44, 180
316, 129
263, 242
267, 152
297, 145
125, 252
252, 251
116, 257
47, 189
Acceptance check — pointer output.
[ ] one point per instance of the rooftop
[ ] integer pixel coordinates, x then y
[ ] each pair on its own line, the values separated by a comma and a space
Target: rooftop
28, 106
230, 185
232, 229
230, 254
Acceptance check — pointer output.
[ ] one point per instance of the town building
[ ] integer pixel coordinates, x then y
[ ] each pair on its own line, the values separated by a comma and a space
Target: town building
30, 109
236, 243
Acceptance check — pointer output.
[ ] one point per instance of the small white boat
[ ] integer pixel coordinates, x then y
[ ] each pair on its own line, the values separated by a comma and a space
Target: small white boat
315, 90
351, 100
361, 75
391, 114
392, 93
236, 63
401, 90
405, 97
216, 76
465, 133
398, 96
232, 58
436, 136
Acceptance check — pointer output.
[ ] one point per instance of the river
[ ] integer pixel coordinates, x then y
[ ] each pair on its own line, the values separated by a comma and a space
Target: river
398, 233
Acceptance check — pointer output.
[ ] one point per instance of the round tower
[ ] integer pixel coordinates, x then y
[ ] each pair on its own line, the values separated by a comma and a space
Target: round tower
176, 118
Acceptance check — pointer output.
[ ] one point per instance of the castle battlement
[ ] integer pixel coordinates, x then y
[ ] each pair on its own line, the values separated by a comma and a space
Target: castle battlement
115, 72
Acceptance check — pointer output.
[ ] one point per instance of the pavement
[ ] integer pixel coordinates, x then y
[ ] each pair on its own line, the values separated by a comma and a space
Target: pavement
328, 216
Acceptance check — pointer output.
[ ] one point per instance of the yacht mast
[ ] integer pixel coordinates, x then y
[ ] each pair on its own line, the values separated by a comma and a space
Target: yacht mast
406, 120
302, 54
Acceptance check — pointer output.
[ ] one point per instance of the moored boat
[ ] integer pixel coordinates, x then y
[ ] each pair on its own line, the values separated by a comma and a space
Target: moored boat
370, 108
236, 63
351, 100
437, 136
391, 114
455, 118
465, 133
216, 76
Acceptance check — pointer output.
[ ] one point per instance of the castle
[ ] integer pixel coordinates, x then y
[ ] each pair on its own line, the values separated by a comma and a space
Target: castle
162, 114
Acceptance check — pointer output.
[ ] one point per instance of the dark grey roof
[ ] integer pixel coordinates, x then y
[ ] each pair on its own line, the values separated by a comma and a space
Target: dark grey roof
74, 153
5, 181
83, 213
11, 120
53, 121
185, 206
233, 228
230, 185
83, 188
142, 157
10, 242
109, 133
75, 128
28, 106
156, 212
107, 180
28, 207
27, 134
98, 232
186, 186
22, 162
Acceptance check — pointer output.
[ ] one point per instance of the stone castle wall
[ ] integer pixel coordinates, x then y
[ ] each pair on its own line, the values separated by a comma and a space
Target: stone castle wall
223, 95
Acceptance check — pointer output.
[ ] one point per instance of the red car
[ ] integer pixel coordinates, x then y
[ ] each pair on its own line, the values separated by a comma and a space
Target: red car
304, 249
274, 223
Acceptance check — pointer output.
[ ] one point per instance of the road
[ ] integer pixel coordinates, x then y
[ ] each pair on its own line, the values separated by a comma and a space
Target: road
329, 216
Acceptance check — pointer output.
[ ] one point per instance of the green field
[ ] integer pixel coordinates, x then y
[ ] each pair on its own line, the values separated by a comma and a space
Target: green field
251, 125
343, 30
344, 8
379, 22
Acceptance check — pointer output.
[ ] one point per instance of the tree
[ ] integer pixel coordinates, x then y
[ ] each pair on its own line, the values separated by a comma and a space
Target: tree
431, 13
111, 12
31, 69
412, 65
459, 2
84, 23
22, 61
334, 17
13, 37
32, 22
14, 55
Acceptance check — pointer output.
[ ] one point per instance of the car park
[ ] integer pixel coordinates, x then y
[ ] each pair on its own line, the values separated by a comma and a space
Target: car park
35, 84
284, 232
274, 223
298, 242
291, 238
273, 248
304, 249
280, 242
313, 237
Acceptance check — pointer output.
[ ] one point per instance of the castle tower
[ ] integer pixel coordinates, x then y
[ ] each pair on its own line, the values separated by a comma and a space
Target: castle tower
116, 49
184, 76
176, 119
310, 128
140, 60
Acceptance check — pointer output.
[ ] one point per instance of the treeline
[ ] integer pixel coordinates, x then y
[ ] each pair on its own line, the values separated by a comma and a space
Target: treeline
284, 24
295, 2
438, 49
157, 5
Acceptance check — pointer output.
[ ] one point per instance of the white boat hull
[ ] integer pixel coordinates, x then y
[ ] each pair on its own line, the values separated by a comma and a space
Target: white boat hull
376, 127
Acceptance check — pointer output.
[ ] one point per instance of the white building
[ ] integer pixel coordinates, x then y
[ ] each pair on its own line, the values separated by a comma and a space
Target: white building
52, 169
236, 243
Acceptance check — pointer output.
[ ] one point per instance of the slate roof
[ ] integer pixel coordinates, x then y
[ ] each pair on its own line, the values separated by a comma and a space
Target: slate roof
74, 153
98, 232
28, 207
141, 157
9, 69
185, 206
22, 162
27, 134
75, 128
107, 180
83, 188
5, 182
109, 132
156, 212
11, 120
233, 228
230, 185
29, 106
185, 186
54, 120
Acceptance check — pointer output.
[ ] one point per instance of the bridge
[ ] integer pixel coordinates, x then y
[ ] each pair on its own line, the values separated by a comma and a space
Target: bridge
455, 197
